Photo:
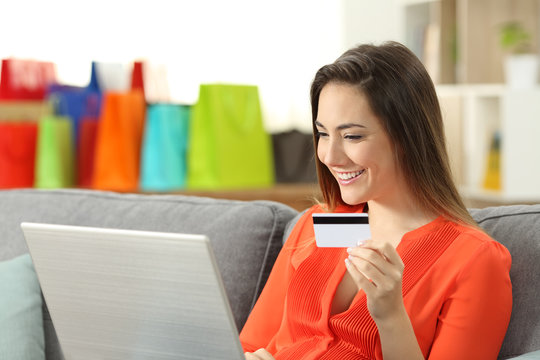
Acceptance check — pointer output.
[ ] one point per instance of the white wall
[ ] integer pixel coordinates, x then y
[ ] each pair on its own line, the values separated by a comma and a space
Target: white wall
277, 45
369, 21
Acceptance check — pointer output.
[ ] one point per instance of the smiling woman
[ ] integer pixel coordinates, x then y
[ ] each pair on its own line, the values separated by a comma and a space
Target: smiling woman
355, 148
396, 91
429, 280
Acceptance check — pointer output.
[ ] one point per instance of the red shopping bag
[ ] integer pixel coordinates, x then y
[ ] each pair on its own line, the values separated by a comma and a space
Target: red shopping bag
86, 150
118, 142
26, 79
17, 154
137, 76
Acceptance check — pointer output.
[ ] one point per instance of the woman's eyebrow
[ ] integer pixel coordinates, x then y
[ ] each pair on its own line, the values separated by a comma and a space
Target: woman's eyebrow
342, 126
317, 123
349, 125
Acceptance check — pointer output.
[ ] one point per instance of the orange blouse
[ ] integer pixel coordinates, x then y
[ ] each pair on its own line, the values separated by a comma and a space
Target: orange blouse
456, 290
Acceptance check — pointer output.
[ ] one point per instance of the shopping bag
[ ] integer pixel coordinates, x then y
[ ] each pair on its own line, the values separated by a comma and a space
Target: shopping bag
85, 152
118, 142
294, 157
77, 102
25, 79
69, 102
163, 159
137, 79
54, 153
94, 85
87, 133
24, 110
151, 79
17, 154
228, 146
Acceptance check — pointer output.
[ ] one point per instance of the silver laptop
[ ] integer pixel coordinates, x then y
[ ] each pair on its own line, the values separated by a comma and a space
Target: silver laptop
122, 294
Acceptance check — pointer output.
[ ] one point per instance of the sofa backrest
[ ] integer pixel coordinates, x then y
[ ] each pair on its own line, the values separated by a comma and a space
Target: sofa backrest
518, 228
246, 236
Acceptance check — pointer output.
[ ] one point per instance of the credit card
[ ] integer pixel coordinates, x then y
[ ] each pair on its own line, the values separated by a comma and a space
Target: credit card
340, 229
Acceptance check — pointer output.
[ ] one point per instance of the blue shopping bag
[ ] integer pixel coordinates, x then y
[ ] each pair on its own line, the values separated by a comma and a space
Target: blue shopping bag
76, 102
163, 158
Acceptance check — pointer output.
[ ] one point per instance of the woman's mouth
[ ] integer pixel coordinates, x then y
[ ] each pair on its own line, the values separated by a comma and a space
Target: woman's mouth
345, 178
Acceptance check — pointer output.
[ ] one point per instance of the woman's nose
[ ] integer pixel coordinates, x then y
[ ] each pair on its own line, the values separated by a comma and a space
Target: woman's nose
332, 153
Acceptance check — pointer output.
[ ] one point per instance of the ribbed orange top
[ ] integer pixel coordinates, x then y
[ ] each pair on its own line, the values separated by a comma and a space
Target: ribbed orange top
456, 289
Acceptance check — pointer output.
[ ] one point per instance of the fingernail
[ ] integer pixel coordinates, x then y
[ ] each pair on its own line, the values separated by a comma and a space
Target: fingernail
347, 262
349, 250
360, 242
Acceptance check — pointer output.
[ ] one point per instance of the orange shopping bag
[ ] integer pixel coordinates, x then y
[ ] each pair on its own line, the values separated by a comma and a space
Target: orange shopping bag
118, 142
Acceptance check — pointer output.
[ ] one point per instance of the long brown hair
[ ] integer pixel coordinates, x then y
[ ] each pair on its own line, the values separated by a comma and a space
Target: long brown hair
402, 95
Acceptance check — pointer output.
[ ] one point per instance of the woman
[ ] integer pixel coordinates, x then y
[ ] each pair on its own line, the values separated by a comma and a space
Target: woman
429, 284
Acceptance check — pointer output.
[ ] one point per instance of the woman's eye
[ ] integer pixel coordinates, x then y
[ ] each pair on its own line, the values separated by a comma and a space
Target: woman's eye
353, 137
321, 134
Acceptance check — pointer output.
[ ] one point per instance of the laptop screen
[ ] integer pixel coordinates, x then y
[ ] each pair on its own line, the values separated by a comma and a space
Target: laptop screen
124, 294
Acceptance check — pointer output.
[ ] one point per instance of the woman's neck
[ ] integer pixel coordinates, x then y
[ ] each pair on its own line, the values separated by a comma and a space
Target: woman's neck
389, 222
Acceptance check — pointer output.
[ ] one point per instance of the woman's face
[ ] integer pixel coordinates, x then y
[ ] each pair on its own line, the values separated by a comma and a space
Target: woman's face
355, 147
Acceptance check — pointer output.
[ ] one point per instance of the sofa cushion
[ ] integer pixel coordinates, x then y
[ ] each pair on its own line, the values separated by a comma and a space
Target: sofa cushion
518, 228
535, 355
21, 324
246, 236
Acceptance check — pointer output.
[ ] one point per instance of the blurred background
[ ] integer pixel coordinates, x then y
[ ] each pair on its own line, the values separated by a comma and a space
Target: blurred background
212, 97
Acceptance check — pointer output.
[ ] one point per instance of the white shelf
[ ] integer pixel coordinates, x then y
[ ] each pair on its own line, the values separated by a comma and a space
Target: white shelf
481, 110
520, 129
458, 42
461, 37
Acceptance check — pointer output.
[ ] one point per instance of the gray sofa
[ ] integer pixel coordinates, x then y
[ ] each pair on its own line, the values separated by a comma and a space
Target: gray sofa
247, 236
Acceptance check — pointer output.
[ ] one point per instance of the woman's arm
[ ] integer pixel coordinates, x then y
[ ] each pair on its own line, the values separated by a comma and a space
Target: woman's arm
474, 318
265, 319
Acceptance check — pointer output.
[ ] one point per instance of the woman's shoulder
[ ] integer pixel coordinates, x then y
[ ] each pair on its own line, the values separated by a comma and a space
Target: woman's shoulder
468, 254
475, 237
474, 245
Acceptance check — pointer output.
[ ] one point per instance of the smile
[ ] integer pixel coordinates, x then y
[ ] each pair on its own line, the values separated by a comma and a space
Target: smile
348, 177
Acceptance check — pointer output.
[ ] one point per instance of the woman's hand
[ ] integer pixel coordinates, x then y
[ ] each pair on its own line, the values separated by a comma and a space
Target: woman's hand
260, 354
377, 269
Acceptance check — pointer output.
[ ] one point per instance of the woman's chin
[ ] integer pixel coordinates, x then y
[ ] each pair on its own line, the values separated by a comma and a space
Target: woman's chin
352, 200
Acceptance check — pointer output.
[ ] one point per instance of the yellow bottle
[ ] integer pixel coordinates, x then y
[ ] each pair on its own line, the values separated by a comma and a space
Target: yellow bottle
492, 179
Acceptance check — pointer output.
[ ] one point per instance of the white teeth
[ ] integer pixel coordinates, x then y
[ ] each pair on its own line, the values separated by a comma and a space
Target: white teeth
347, 176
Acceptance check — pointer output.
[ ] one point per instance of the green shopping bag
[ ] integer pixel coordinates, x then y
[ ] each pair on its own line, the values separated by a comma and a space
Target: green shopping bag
228, 146
54, 153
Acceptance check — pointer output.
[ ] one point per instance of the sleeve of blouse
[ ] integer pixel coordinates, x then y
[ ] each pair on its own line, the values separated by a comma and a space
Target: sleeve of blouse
265, 319
474, 318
